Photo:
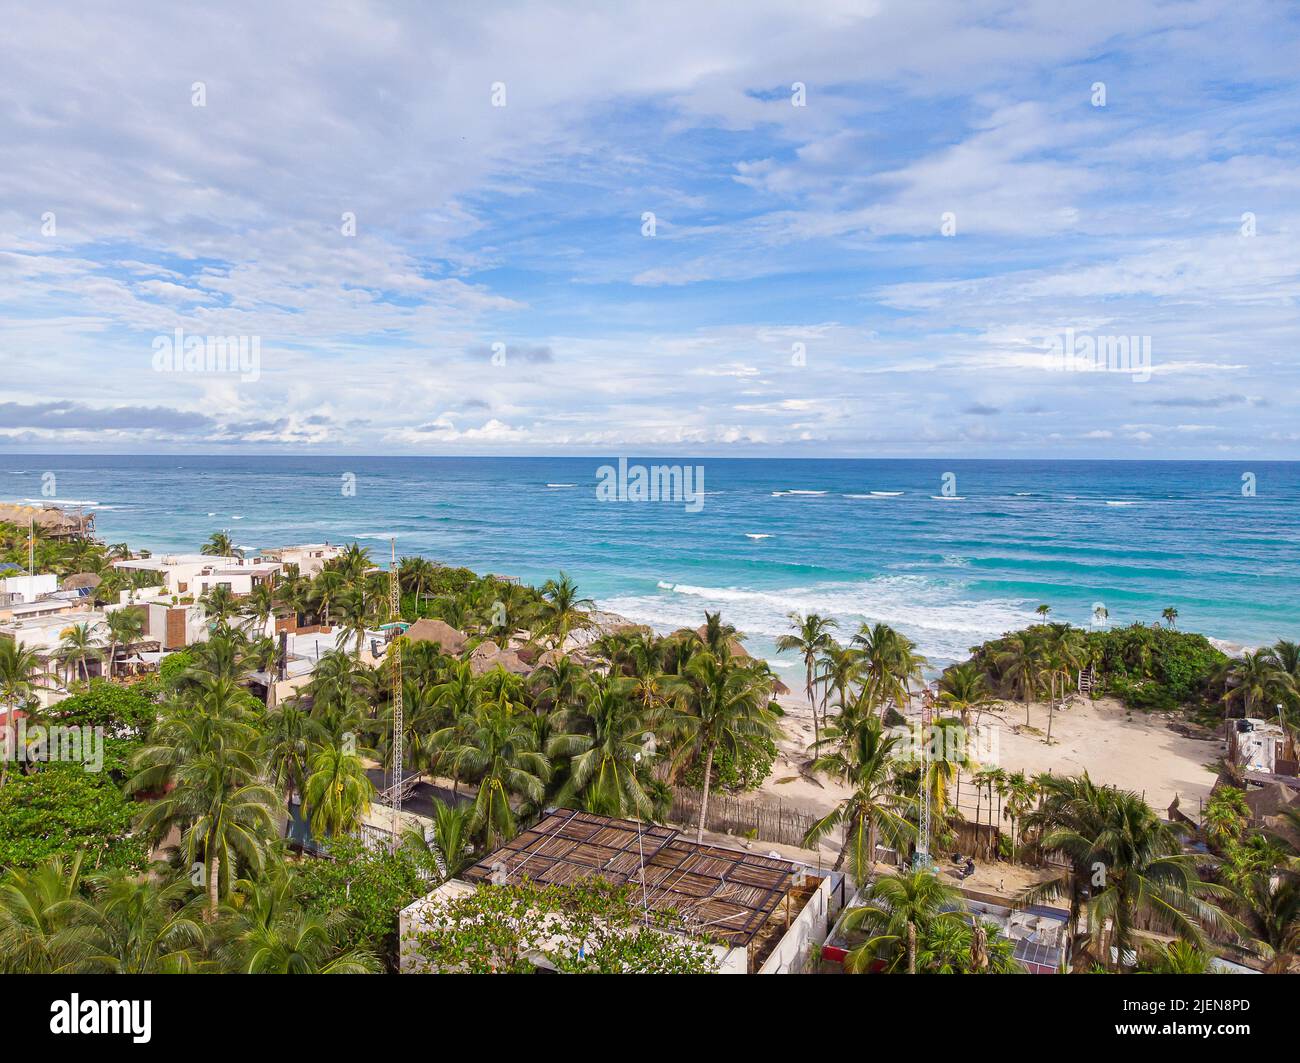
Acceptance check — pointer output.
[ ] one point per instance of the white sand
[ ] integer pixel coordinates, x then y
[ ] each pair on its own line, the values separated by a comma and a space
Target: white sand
1134, 751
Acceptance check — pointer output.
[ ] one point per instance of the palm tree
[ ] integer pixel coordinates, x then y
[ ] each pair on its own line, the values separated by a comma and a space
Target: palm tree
414, 573
1271, 914
226, 814
1170, 615
265, 932
219, 544
499, 748
963, 689
258, 607
1061, 650
892, 664
862, 757
220, 605
20, 672
608, 737
1020, 793
1020, 660
898, 910
563, 611
1256, 681
1180, 957
324, 589
449, 847
722, 704
1043, 610
1133, 861
142, 927
288, 735
43, 917
124, 626
79, 642
337, 793
356, 616
841, 669
812, 639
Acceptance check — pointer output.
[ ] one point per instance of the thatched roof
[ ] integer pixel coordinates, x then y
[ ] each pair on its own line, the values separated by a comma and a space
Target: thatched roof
81, 579
480, 663
50, 519
439, 632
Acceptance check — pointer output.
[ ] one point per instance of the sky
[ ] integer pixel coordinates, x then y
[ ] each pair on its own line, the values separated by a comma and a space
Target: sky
823, 229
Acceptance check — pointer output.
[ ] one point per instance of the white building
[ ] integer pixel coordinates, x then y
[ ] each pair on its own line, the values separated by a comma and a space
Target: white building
1258, 745
187, 575
24, 589
308, 558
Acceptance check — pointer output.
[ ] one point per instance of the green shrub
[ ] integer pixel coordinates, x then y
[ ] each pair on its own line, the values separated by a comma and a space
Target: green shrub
735, 772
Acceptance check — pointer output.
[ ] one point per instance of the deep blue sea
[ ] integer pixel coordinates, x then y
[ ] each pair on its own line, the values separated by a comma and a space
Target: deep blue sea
860, 540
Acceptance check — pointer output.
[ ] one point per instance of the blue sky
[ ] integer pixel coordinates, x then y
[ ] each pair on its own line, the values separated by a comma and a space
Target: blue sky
1170, 213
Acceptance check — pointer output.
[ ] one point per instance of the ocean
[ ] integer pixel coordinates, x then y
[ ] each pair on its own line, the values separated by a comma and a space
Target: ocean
949, 552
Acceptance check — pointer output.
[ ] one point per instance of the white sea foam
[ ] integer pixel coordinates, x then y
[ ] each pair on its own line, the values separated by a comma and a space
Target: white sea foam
665, 586
935, 613
1111, 502
757, 535
885, 494
561, 485
793, 492
58, 502
949, 498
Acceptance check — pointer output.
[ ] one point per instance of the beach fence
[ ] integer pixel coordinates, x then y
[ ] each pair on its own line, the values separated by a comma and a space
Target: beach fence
748, 817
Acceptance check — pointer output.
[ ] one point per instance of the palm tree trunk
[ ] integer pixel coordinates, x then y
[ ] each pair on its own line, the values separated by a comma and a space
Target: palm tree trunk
911, 948
704, 795
214, 873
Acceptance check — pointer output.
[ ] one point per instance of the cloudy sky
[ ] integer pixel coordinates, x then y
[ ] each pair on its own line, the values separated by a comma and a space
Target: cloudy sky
837, 228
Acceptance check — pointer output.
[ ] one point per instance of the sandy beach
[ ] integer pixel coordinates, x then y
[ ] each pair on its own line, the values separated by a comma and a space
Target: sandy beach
1134, 751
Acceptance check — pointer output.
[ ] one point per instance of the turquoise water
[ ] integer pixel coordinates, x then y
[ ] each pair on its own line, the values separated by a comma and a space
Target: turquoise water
1134, 536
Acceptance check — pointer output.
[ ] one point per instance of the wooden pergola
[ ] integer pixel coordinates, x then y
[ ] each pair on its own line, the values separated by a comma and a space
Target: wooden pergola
703, 890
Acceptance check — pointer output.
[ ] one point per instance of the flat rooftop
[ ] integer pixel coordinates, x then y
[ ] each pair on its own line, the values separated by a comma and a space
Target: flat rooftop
724, 893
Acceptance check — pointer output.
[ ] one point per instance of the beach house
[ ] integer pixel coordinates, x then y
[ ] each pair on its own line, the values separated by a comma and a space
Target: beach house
308, 558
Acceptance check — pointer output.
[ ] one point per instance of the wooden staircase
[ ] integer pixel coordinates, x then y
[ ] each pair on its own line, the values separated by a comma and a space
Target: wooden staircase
1086, 680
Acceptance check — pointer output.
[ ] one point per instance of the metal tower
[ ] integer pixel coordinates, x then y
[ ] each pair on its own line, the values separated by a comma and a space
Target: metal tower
922, 857
395, 658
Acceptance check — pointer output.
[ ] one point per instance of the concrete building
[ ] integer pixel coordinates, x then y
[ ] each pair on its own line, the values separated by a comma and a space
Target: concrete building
309, 558
759, 914
191, 575
24, 589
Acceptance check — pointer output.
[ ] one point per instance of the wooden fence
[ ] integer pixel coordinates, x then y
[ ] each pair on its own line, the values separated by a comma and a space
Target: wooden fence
749, 817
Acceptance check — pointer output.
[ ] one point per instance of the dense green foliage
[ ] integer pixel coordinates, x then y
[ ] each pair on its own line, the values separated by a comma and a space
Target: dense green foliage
371, 886
1155, 667
735, 771
586, 928
62, 809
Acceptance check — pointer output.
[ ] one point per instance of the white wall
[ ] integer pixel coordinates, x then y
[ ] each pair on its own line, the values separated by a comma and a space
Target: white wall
809, 928
30, 587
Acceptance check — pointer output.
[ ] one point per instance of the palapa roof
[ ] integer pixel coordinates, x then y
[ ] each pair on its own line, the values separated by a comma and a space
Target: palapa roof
81, 579
480, 663
722, 893
439, 632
